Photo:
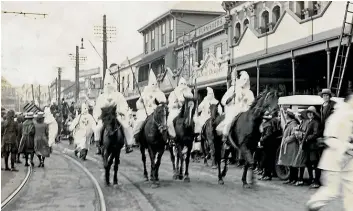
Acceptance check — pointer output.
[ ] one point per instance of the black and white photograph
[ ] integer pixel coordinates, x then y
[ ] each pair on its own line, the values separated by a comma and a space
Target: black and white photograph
176, 105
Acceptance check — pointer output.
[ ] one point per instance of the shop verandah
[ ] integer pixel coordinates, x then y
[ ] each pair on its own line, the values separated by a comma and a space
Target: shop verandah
302, 74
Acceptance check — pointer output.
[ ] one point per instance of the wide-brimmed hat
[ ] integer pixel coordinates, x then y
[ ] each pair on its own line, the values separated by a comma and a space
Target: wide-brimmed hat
40, 115
312, 109
325, 91
267, 115
29, 115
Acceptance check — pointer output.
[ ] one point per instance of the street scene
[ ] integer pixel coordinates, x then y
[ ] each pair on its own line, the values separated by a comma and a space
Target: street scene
190, 106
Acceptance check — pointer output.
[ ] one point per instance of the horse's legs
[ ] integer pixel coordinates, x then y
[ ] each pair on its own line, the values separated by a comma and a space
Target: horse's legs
249, 165
143, 155
226, 160
116, 166
204, 151
187, 162
172, 156
152, 157
158, 163
213, 152
176, 155
181, 157
108, 161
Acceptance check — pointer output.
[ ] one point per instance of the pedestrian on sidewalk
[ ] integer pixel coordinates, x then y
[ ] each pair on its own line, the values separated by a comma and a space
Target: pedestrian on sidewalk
27, 141
9, 133
20, 121
337, 159
41, 139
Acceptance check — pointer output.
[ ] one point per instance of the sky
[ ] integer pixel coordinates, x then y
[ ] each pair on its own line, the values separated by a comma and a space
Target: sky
32, 47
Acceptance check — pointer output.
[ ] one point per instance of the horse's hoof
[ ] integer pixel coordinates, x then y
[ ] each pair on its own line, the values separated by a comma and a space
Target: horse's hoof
247, 186
175, 176
224, 173
107, 183
187, 179
180, 177
146, 179
115, 182
220, 182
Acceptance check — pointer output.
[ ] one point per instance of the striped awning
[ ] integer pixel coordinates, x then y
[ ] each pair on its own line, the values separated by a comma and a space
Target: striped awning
30, 107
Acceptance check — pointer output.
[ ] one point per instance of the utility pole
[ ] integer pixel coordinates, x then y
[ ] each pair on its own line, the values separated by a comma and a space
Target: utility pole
59, 85
77, 68
119, 78
107, 33
56, 88
32, 93
105, 59
39, 96
49, 93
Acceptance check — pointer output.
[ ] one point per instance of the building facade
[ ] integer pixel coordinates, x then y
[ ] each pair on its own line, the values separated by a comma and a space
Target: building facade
287, 43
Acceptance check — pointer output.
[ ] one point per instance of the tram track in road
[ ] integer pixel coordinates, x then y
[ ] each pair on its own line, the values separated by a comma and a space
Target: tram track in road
13, 195
126, 186
63, 184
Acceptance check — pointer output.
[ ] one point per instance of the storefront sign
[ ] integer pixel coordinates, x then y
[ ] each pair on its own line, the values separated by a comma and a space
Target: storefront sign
210, 26
210, 67
89, 72
187, 37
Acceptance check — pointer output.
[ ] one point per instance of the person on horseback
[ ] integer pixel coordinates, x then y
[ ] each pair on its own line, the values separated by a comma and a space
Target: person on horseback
111, 97
146, 102
204, 109
175, 102
244, 97
228, 101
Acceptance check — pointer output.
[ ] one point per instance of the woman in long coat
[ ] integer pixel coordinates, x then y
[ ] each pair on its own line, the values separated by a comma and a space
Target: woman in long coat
27, 140
289, 147
41, 139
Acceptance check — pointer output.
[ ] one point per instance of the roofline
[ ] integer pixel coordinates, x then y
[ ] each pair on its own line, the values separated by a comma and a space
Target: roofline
178, 11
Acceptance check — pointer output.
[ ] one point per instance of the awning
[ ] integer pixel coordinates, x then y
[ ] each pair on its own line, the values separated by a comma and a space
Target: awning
155, 56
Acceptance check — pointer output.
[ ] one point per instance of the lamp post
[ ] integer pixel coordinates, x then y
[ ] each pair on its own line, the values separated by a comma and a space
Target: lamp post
78, 59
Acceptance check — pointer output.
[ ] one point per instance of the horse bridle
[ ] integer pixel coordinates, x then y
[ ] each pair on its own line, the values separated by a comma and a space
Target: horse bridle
159, 124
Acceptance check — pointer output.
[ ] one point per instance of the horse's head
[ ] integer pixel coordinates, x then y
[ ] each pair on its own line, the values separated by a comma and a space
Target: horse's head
160, 116
189, 109
267, 101
109, 115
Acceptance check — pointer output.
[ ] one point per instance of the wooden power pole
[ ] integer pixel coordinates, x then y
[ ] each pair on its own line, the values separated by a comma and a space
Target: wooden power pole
77, 82
105, 59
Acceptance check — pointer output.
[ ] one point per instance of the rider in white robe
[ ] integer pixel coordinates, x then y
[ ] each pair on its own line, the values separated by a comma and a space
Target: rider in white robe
53, 126
82, 129
111, 97
146, 102
175, 102
337, 160
244, 97
204, 108
228, 101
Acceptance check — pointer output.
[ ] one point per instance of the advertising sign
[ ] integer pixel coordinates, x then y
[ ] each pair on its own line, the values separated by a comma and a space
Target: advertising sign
89, 72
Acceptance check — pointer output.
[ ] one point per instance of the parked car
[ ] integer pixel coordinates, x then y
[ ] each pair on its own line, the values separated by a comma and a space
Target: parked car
296, 103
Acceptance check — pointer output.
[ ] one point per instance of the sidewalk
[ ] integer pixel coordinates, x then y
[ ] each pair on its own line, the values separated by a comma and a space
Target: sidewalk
11, 180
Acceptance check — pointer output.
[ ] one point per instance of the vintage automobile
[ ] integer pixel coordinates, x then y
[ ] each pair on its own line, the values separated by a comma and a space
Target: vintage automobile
296, 103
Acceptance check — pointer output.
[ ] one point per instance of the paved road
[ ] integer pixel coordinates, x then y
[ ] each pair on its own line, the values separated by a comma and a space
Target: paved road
11, 180
61, 185
201, 194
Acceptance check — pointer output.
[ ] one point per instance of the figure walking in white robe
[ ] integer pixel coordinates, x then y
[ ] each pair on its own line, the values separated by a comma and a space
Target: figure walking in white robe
111, 97
204, 108
337, 160
82, 129
53, 126
176, 100
146, 102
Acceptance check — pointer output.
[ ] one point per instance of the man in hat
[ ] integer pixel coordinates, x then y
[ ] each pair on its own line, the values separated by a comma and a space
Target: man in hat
146, 103
176, 100
9, 133
27, 141
327, 107
204, 109
337, 160
111, 97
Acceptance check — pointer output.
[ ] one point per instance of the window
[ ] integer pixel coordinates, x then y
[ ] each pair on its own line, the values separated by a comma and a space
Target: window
264, 22
163, 34
237, 32
191, 60
128, 82
246, 23
218, 50
123, 84
204, 53
143, 73
276, 12
316, 7
152, 40
146, 43
299, 8
171, 30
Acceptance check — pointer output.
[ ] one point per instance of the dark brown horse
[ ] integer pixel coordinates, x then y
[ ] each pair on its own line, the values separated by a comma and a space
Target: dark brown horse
244, 135
112, 142
153, 137
184, 129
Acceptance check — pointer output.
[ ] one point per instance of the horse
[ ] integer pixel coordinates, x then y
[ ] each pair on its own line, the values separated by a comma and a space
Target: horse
211, 142
184, 129
112, 140
153, 137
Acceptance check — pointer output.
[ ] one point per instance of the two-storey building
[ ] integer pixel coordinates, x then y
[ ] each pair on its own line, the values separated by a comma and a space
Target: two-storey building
160, 37
289, 44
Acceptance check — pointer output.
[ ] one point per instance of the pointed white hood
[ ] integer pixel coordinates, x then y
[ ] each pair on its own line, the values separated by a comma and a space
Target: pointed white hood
152, 80
182, 82
109, 83
244, 80
84, 108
